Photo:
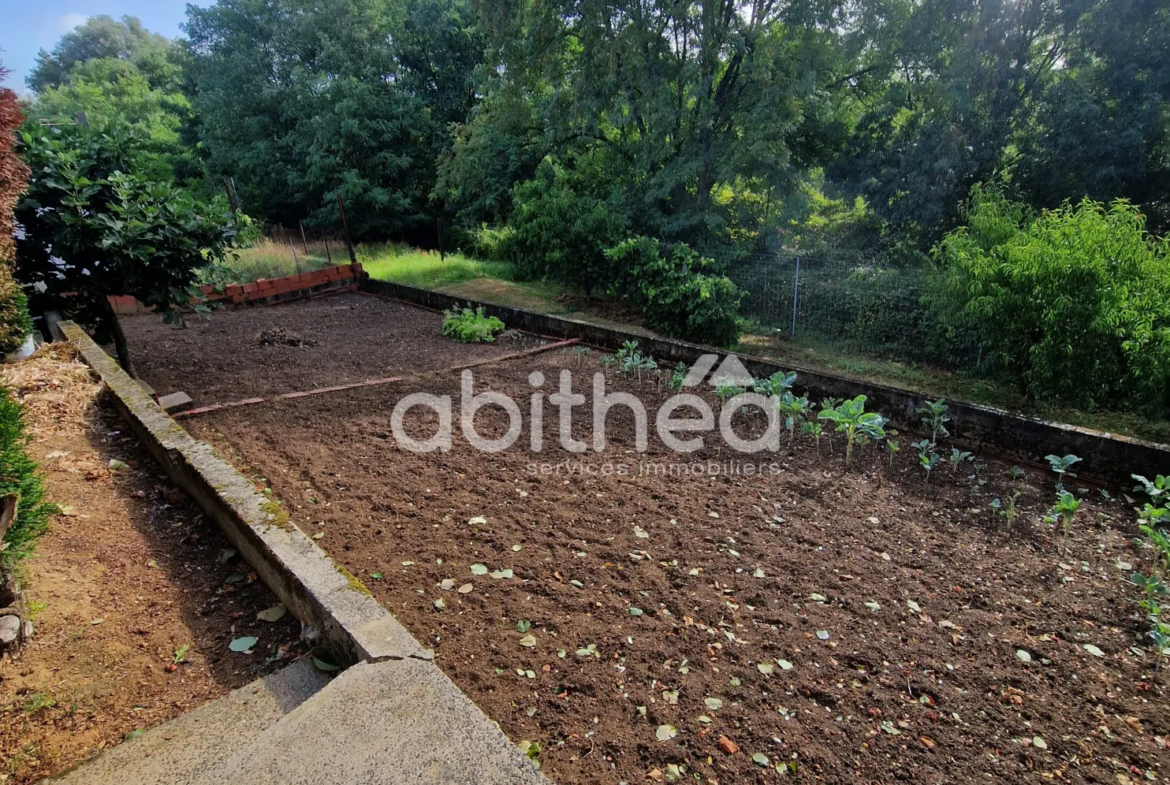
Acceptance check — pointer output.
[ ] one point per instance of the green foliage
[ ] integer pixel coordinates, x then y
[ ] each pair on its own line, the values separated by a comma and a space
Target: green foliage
934, 417
103, 38
778, 384
18, 474
1007, 510
96, 224
927, 458
303, 102
1060, 465
1065, 510
678, 291
1074, 302
851, 419
114, 93
15, 323
558, 233
471, 326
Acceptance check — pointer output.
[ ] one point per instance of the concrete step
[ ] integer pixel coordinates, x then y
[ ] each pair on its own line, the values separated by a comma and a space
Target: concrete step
185, 750
396, 722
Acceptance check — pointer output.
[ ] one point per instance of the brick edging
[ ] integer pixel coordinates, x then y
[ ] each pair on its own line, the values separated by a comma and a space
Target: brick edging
338, 278
1108, 458
332, 605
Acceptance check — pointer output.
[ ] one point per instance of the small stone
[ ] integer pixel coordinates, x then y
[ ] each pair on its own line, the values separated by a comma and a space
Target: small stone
728, 746
9, 630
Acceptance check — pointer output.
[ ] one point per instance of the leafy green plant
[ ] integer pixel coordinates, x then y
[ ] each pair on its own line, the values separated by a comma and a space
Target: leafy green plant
815, 430
1007, 510
957, 457
725, 391
1065, 510
778, 384
678, 376
679, 291
99, 219
18, 475
892, 445
1060, 465
852, 420
1016, 472
471, 326
1155, 489
580, 353
795, 410
1071, 302
934, 416
927, 458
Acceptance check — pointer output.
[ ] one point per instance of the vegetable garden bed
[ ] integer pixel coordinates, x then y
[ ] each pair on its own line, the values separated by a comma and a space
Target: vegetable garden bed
638, 619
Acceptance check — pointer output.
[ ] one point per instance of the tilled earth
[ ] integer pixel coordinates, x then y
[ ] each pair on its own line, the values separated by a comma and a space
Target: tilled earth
240, 353
819, 622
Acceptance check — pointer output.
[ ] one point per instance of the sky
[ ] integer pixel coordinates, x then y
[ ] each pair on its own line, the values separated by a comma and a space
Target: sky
27, 26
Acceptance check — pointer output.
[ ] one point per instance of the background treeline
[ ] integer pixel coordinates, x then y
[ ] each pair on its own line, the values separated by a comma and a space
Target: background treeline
668, 151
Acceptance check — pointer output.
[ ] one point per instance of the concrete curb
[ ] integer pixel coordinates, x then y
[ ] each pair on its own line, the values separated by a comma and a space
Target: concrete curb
1107, 458
333, 605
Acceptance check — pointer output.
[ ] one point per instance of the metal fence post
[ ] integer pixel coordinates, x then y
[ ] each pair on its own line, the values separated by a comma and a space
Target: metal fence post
795, 297
345, 226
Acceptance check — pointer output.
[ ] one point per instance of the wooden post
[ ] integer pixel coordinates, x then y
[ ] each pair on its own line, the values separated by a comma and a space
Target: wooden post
442, 256
328, 256
304, 242
345, 226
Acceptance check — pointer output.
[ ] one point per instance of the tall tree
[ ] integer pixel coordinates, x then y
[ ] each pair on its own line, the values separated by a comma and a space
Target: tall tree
685, 99
303, 101
102, 37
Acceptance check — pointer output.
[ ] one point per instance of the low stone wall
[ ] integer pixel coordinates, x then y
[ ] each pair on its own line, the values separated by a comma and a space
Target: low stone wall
332, 604
1107, 458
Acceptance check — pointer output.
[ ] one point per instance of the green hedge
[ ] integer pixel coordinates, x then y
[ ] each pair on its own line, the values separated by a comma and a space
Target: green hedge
1074, 303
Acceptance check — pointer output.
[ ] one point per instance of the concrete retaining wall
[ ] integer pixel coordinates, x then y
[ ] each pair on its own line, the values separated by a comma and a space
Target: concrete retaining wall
332, 604
1107, 458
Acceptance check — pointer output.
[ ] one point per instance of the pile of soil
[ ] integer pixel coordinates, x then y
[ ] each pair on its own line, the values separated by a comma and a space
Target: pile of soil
135, 596
836, 624
282, 336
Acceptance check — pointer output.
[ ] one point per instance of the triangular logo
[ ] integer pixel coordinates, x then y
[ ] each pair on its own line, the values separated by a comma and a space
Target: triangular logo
731, 371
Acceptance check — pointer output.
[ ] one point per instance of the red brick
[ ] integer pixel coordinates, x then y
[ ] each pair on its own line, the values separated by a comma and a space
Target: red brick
248, 288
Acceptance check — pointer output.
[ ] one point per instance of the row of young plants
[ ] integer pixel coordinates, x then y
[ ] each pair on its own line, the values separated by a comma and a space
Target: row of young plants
859, 428
1154, 525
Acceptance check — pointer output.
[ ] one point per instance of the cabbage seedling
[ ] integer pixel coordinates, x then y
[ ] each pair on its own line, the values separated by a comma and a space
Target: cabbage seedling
927, 457
892, 445
934, 416
1060, 466
1066, 509
853, 420
777, 385
958, 457
1007, 511
815, 429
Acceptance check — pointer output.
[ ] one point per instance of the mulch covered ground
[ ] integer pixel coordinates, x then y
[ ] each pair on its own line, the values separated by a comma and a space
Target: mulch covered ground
136, 597
818, 622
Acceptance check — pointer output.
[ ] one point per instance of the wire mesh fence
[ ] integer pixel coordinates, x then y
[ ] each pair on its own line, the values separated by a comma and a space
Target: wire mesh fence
856, 301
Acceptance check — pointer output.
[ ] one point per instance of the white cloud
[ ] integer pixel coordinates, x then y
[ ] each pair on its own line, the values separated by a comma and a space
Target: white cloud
67, 22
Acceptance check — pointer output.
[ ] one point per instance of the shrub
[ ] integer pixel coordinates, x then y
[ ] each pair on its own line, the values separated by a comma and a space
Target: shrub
15, 324
675, 291
559, 233
18, 475
468, 326
492, 244
1074, 302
